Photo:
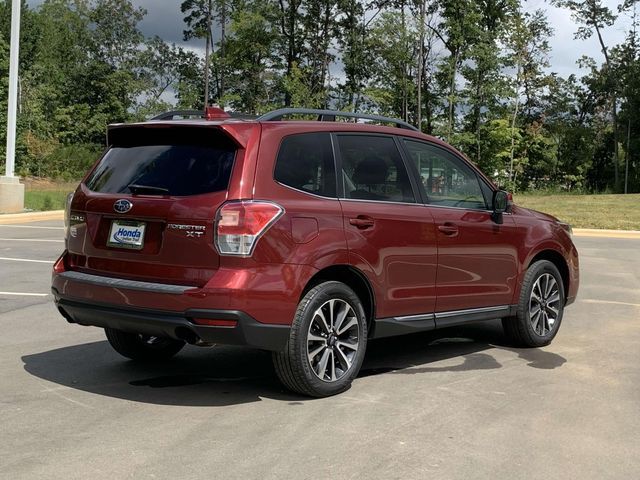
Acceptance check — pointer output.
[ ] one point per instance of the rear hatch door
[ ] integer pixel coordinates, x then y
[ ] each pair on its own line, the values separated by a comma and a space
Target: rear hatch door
149, 204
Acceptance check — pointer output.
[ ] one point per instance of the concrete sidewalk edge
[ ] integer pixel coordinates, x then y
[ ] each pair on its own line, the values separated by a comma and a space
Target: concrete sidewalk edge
597, 232
13, 218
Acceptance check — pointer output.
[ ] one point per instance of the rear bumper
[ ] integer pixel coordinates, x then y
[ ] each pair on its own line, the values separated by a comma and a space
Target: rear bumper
264, 293
181, 326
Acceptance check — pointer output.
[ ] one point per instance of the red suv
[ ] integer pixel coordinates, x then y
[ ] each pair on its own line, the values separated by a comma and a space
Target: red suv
305, 238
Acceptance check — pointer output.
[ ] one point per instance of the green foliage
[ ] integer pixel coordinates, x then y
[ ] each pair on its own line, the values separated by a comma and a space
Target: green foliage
391, 42
482, 82
249, 52
46, 199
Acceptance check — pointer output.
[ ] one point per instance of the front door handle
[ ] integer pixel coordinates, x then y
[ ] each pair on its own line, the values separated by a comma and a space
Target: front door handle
449, 229
362, 222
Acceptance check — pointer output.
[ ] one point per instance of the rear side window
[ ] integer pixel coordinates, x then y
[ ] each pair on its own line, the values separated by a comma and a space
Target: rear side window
372, 169
305, 162
165, 161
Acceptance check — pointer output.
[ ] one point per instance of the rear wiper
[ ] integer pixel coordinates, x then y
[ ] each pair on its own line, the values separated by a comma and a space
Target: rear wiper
142, 189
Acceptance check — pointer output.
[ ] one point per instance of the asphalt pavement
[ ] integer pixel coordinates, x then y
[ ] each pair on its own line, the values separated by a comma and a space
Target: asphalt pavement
455, 404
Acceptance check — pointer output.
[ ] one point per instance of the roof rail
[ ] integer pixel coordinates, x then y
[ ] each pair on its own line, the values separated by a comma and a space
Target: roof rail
330, 116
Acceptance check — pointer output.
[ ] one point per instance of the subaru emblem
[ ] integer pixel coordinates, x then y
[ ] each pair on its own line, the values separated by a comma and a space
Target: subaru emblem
122, 206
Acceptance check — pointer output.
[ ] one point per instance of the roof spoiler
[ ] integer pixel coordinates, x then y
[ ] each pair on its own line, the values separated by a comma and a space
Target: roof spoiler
209, 113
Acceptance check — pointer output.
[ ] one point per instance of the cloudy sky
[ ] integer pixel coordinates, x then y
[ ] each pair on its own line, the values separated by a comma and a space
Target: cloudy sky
165, 20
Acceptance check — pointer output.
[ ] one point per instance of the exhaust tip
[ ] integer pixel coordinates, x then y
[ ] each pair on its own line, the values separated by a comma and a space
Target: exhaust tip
192, 338
187, 335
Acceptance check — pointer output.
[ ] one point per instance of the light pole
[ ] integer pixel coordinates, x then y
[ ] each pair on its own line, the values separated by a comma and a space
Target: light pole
11, 190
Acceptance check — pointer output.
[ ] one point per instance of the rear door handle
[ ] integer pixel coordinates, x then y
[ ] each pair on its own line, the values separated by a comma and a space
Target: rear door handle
449, 229
362, 222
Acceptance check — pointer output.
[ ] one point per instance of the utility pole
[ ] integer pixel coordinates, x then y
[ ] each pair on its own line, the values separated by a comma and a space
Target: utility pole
420, 63
11, 190
207, 56
626, 157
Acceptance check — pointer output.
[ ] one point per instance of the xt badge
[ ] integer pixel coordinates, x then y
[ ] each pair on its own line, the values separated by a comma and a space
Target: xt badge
191, 231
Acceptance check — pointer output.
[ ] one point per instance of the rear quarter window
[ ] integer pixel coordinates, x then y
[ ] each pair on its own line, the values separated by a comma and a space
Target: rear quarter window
170, 161
305, 162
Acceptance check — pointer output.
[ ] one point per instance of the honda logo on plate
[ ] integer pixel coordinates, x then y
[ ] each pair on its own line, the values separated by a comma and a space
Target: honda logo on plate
122, 206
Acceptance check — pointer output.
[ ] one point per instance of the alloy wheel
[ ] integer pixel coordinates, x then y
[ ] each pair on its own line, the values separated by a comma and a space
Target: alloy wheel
333, 340
544, 304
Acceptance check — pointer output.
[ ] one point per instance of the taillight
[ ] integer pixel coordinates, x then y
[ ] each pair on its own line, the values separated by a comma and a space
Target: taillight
239, 225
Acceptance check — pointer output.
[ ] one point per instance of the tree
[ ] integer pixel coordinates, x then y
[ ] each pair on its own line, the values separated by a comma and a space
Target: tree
291, 39
393, 75
592, 17
162, 67
115, 35
528, 53
456, 30
250, 48
320, 25
199, 15
483, 70
352, 39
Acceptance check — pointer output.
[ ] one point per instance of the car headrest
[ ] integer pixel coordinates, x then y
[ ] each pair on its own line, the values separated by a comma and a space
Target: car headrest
371, 171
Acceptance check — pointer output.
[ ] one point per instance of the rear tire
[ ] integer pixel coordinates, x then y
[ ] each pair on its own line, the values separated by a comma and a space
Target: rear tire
540, 307
327, 342
142, 347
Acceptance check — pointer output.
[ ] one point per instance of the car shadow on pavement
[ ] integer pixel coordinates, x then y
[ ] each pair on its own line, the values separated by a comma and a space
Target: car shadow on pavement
468, 344
235, 375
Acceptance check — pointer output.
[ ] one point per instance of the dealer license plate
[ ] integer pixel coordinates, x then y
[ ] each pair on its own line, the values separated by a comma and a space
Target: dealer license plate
126, 234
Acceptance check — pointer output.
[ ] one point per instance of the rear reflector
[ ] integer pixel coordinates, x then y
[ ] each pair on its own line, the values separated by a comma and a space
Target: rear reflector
239, 225
215, 323
59, 266
67, 215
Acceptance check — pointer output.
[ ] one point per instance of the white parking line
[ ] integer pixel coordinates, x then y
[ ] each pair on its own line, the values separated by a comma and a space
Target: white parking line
30, 240
20, 294
610, 302
32, 226
26, 260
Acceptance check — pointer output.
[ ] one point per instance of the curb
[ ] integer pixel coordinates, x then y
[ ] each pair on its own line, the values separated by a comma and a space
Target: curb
13, 218
602, 233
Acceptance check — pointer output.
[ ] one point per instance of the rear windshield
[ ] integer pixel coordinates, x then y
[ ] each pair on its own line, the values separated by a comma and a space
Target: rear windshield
164, 161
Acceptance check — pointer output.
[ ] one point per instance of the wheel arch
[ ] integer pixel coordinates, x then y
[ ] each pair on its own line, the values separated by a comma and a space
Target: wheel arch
354, 279
558, 260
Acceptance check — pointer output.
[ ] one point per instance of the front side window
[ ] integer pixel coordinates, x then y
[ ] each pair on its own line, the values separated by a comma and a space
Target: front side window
447, 180
305, 162
372, 169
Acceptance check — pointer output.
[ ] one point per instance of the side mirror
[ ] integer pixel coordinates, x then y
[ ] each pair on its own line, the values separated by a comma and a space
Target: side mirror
500, 205
500, 201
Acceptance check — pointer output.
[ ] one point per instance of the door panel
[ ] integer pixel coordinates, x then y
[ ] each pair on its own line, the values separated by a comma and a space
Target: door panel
390, 236
477, 267
397, 252
477, 258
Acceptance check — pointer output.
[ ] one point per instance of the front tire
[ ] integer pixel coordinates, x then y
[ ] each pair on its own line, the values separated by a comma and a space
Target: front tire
540, 307
327, 342
142, 347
